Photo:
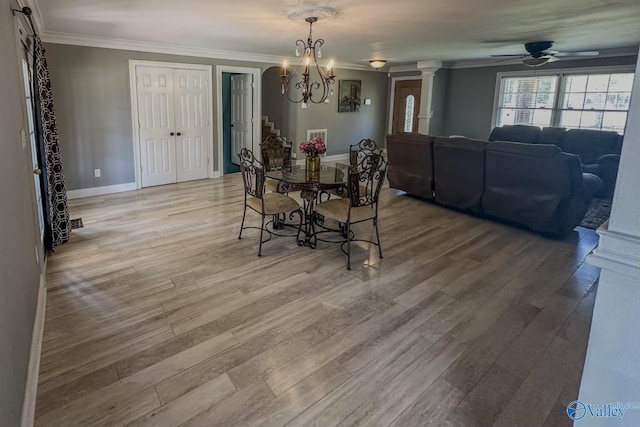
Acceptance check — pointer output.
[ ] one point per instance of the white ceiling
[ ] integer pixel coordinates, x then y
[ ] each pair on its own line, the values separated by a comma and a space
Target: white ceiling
401, 31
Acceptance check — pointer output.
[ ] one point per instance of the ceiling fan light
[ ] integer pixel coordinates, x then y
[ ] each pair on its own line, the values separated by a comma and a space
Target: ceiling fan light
536, 62
377, 63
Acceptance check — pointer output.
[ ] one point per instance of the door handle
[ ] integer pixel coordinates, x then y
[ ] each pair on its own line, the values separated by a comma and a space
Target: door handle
178, 134
171, 134
37, 171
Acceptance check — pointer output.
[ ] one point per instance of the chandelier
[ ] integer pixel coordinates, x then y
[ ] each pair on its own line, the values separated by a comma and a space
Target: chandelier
307, 89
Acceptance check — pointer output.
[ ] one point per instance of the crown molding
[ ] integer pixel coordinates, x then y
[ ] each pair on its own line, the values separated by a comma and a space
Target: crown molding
121, 44
404, 68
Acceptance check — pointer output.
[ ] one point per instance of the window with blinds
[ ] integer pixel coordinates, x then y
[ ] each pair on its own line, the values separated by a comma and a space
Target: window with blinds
527, 100
571, 100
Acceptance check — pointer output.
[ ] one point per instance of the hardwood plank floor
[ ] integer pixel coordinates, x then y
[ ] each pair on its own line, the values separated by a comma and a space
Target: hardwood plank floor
157, 315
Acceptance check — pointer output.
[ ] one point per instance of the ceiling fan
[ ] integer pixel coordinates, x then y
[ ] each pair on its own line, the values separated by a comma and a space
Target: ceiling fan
539, 54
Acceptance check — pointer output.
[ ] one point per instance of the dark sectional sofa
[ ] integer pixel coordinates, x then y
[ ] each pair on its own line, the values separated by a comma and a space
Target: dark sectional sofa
537, 186
598, 150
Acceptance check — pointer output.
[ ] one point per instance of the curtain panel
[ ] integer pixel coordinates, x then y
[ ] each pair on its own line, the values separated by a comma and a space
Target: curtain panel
57, 192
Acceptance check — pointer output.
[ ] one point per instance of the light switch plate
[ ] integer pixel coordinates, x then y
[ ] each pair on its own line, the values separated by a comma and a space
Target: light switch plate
367, 101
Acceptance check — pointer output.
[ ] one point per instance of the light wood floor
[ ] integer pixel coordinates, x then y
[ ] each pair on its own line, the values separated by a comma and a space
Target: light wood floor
157, 315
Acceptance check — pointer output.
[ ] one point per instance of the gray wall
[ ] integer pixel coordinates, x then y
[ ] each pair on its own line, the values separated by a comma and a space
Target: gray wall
93, 106
273, 105
470, 91
343, 129
19, 273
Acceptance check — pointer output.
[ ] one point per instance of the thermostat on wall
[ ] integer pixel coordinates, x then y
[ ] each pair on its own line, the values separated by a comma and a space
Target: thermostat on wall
367, 101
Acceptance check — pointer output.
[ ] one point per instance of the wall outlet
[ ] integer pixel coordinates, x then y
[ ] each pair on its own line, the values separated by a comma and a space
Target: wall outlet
96, 173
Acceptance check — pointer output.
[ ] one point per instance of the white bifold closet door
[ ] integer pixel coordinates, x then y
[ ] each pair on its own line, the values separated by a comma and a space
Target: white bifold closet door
174, 129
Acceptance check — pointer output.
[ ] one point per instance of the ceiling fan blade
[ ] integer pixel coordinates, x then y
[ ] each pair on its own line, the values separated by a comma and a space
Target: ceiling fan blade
583, 53
517, 55
510, 59
552, 58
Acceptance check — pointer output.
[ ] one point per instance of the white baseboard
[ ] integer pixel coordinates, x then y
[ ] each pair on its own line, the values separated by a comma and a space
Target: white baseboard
99, 191
216, 174
31, 389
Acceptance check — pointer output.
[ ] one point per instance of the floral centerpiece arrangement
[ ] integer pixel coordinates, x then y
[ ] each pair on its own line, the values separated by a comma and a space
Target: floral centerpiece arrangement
314, 147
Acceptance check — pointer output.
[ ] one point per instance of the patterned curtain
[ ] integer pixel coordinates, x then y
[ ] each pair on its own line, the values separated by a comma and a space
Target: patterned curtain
57, 192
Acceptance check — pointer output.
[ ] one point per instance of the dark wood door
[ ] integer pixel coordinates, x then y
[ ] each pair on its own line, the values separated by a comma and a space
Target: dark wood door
402, 92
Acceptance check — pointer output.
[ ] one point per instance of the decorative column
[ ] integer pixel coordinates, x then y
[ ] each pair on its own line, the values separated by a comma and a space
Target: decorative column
612, 366
428, 69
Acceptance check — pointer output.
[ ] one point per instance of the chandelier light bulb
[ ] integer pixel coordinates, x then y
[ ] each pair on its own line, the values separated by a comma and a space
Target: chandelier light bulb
320, 53
307, 61
297, 51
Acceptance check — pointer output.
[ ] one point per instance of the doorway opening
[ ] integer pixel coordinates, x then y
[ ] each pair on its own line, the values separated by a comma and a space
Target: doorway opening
239, 105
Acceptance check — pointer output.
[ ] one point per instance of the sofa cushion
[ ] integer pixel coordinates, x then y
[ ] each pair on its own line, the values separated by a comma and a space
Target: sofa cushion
516, 133
529, 150
459, 172
552, 135
410, 163
590, 144
534, 185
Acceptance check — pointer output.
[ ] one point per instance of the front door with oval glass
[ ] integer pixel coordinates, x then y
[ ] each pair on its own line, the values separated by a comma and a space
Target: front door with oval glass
406, 105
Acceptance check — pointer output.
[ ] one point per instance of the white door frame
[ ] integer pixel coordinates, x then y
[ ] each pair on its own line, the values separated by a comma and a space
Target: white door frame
392, 97
133, 63
257, 106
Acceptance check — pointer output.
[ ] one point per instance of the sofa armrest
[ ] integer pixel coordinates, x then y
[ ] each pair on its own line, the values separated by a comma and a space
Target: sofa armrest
608, 172
609, 158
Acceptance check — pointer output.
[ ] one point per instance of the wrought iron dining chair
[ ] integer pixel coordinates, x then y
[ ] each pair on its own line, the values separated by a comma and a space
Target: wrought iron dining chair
363, 186
255, 198
276, 155
356, 153
362, 149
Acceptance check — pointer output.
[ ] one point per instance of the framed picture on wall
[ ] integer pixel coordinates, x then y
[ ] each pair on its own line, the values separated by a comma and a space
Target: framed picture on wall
349, 96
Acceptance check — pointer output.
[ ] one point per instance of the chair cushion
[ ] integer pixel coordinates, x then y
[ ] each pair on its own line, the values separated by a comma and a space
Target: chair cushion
274, 203
338, 210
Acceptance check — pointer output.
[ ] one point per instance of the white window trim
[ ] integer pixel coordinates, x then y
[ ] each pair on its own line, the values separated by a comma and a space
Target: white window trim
557, 72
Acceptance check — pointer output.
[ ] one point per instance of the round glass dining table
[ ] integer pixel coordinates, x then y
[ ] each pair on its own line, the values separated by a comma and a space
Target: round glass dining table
312, 185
